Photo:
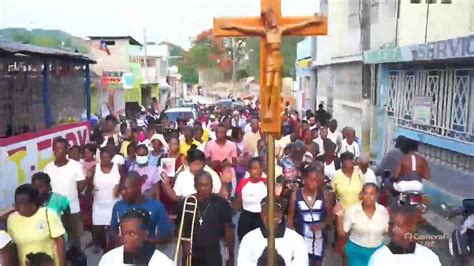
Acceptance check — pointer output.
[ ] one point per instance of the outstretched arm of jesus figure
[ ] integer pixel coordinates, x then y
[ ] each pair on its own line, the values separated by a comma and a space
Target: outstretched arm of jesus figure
244, 29
299, 26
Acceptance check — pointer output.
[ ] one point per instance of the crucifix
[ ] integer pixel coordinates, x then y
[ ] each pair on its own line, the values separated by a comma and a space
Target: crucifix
271, 26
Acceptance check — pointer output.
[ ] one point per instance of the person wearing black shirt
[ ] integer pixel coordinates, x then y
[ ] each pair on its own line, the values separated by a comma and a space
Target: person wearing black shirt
212, 223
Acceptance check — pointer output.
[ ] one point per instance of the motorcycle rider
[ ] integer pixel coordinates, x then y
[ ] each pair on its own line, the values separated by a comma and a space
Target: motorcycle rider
392, 158
412, 169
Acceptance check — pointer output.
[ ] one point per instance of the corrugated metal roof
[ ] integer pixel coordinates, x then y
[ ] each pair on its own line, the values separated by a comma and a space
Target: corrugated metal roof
33, 50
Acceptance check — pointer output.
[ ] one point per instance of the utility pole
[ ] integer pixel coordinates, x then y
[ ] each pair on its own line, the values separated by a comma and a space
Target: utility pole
145, 60
234, 62
365, 25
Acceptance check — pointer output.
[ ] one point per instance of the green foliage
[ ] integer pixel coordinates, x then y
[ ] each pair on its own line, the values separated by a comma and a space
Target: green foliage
45, 38
242, 73
198, 56
188, 73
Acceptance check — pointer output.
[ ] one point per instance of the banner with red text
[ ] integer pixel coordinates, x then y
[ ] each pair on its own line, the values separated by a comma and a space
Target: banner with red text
25, 154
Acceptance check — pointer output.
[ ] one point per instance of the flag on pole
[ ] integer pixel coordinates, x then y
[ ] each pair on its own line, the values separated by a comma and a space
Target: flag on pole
103, 47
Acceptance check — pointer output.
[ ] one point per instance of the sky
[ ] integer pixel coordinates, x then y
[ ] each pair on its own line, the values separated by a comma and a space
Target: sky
165, 20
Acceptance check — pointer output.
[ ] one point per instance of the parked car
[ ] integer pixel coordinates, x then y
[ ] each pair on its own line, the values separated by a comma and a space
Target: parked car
174, 114
225, 102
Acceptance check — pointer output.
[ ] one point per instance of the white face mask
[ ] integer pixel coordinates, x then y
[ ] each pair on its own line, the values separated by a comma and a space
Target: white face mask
142, 159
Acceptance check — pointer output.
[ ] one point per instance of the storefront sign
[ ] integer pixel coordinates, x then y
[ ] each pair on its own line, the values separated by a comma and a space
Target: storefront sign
303, 63
25, 154
127, 81
112, 79
422, 110
462, 47
453, 48
383, 55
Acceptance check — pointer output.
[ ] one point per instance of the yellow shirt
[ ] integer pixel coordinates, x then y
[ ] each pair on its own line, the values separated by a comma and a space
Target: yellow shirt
205, 135
123, 148
35, 234
347, 189
184, 147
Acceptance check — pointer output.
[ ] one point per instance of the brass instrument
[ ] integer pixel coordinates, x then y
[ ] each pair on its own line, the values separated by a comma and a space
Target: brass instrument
189, 206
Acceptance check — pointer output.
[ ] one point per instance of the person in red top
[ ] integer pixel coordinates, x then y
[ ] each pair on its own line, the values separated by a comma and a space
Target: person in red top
250, 193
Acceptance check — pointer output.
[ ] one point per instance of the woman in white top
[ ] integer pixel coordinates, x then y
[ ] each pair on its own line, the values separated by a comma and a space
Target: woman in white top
250, 193
329, 159
106, 181
366, 224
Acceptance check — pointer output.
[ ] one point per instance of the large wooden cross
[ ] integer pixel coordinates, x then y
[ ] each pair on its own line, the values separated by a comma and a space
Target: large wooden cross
270, 26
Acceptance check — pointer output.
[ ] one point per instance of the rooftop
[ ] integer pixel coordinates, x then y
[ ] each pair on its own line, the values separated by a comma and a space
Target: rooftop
14, 48
130, 39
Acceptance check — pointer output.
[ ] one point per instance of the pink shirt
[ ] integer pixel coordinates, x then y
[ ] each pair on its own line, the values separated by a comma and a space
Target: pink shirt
221, 152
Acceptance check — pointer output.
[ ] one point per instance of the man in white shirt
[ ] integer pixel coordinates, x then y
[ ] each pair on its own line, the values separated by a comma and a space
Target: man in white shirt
67, 178
136, 250
349, 145
184, 184
323, 135
367, 173
403, 250
289, 244
333, 134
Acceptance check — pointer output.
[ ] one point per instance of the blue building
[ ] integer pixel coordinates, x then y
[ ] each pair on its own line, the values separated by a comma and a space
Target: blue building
426, 92
305, 76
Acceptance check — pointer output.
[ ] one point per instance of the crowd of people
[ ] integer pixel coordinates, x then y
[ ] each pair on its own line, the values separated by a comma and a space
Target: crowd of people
128, 187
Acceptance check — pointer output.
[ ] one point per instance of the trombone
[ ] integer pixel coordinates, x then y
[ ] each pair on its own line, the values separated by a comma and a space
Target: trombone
189, 206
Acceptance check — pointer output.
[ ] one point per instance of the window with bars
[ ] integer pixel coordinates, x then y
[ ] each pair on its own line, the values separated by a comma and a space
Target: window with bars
450, 91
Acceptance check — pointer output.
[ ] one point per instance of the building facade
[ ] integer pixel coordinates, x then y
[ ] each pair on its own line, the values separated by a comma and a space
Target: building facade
110, 94
338, 64
412, 57
305, 76
424, 79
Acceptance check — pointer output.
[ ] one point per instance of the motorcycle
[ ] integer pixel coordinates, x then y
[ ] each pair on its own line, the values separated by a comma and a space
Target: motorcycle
461, 241
384, 188
410, 194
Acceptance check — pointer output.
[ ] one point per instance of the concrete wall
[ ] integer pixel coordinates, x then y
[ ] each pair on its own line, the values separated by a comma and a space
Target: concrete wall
344, 31
339, 86
457, 17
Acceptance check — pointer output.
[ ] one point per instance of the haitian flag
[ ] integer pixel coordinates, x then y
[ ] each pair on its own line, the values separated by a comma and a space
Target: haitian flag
103, 47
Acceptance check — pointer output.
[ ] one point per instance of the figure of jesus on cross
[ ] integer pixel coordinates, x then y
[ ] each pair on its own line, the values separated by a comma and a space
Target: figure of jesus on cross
271, 27
272, 33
